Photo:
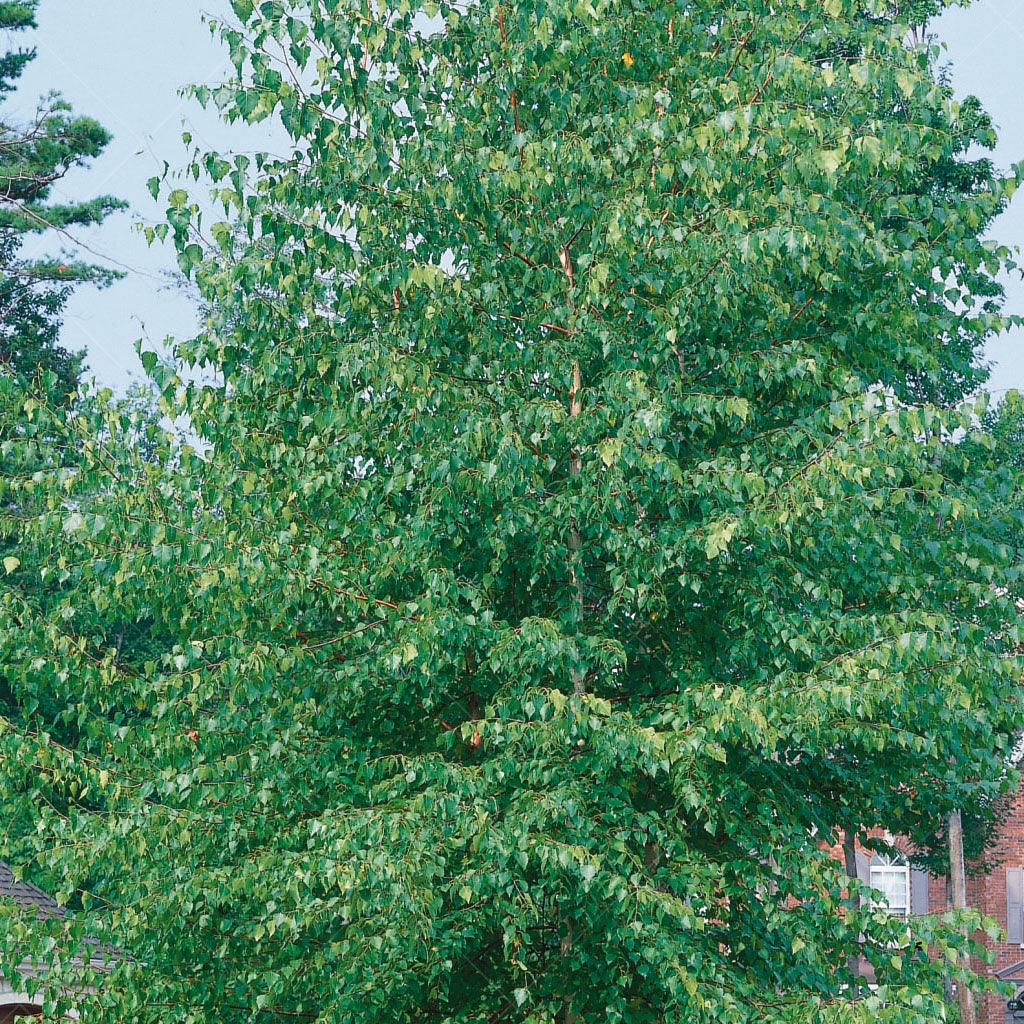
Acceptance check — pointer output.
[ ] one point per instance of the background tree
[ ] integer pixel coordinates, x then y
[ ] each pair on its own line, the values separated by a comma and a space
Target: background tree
34, 289
997, 461
570, 546
34, 157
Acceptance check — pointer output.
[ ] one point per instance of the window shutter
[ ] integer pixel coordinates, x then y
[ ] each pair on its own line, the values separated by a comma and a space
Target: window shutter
918, 892
863, 868
1015, 904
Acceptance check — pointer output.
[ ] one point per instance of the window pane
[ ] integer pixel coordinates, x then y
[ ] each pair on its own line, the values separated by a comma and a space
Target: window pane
893, 882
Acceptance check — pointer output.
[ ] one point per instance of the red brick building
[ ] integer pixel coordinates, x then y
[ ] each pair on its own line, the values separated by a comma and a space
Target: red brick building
998, 894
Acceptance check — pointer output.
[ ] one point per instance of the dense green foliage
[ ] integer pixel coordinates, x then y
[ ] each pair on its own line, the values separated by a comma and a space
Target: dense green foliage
569, 548
999, 450
34, 157
34, 290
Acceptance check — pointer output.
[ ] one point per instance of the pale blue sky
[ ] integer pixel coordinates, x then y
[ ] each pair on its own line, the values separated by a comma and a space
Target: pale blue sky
123, 61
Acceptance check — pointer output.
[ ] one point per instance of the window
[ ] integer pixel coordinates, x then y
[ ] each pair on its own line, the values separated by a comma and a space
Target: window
890, 876
1015, 905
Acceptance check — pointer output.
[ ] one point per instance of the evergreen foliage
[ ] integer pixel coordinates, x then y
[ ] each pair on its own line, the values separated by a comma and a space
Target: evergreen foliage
34, 157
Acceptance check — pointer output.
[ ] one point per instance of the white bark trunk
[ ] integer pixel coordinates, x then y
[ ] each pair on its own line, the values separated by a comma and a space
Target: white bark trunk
958, 878
850, 857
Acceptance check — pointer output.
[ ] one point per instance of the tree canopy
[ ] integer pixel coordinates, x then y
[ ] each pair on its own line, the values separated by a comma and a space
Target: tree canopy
578, 527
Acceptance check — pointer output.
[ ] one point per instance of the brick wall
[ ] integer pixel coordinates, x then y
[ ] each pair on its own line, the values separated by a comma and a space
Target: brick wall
987, 893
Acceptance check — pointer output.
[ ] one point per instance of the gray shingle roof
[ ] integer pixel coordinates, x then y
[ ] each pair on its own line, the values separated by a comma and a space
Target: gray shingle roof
25, 894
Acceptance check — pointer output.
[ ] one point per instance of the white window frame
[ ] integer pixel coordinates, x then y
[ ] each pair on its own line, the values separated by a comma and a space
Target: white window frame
884, 865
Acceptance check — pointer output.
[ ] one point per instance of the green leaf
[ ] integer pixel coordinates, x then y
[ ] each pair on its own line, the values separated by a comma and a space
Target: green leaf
609, 451
829, 160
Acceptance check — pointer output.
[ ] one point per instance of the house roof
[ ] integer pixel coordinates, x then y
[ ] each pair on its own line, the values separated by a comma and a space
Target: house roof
29, 896
1014, 972
25, 894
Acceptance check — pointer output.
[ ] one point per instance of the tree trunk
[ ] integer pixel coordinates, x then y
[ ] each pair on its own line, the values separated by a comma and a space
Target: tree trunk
947, 981
579, 681
958, 878
850, 857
